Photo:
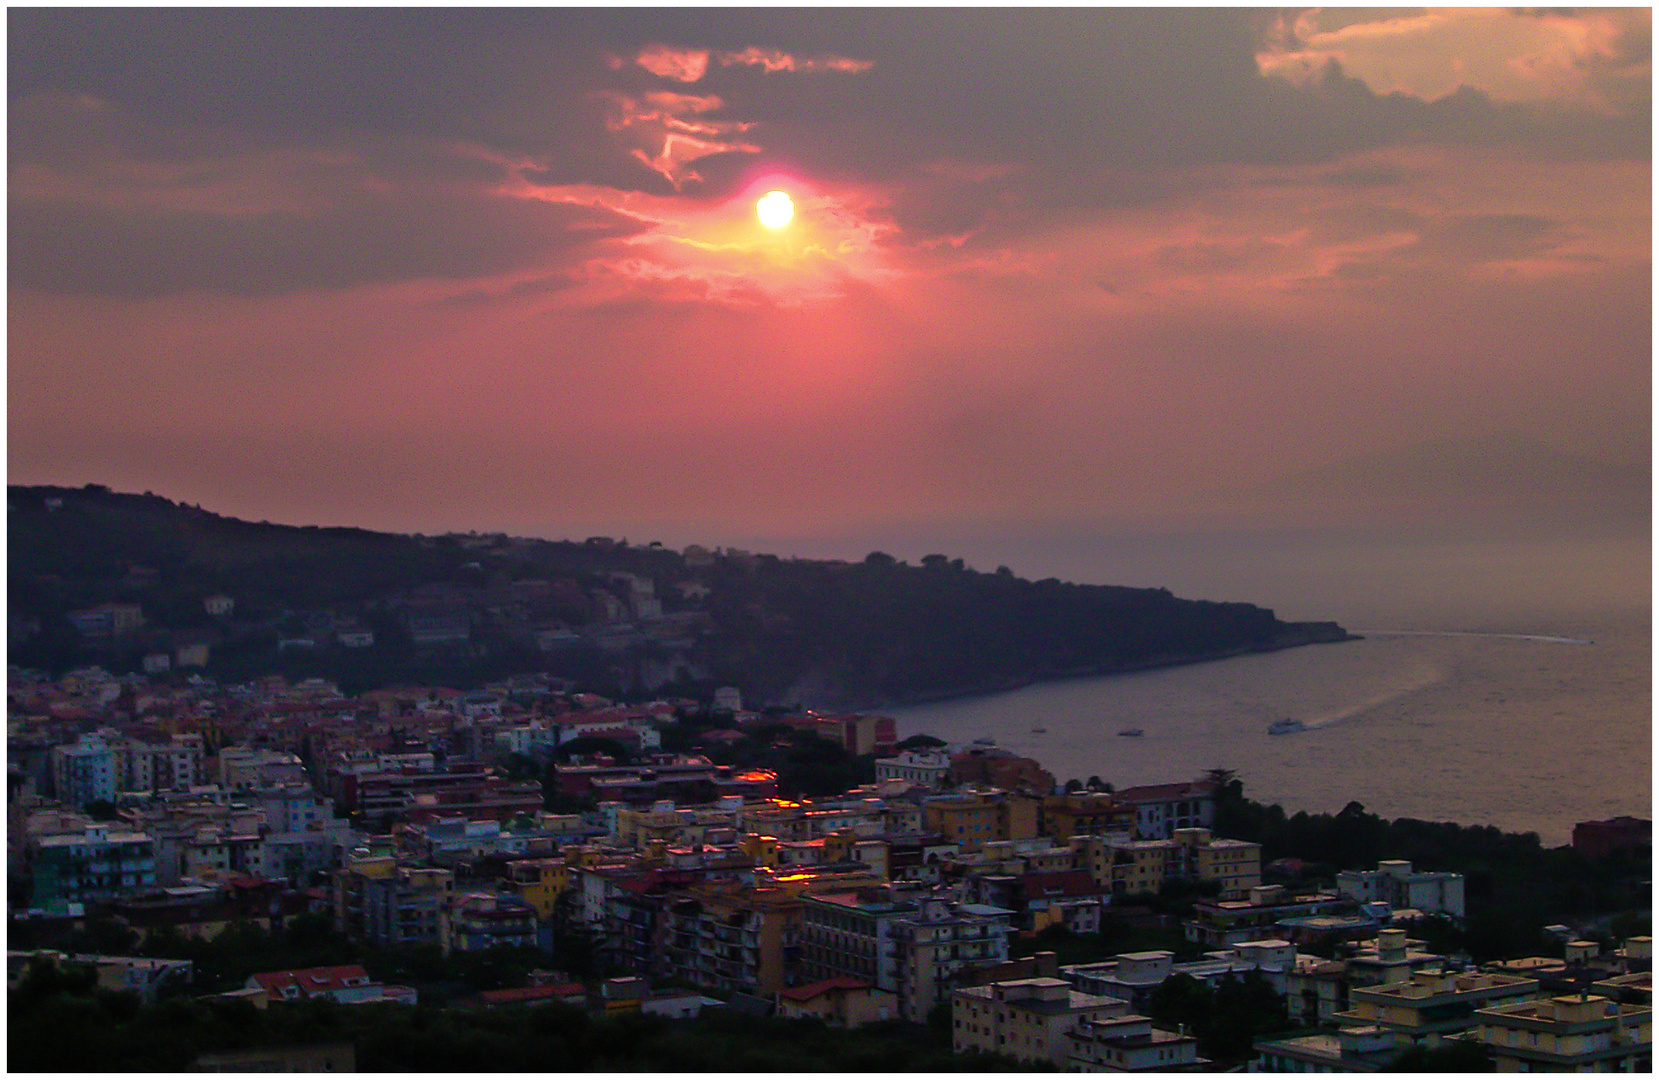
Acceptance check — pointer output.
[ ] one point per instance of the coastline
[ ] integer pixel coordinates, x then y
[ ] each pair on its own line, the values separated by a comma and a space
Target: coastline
1296, 636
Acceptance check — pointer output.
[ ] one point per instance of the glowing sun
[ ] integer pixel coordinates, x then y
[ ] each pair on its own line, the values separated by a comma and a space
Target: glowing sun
774, 209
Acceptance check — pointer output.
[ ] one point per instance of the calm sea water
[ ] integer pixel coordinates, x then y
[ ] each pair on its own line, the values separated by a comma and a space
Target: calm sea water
1528, 733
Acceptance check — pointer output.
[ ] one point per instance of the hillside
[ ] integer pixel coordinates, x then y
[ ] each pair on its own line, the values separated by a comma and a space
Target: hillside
369, 609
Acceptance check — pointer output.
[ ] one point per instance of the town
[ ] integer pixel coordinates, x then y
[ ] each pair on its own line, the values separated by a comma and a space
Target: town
541, 848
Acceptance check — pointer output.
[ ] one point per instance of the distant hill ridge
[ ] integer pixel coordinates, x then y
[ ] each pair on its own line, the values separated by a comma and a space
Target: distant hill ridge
628, 619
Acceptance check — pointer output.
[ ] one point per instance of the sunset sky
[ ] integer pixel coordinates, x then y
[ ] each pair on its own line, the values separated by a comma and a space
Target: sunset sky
434, 270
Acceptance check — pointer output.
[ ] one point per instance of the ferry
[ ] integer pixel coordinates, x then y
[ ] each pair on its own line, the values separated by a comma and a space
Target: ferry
1285, 727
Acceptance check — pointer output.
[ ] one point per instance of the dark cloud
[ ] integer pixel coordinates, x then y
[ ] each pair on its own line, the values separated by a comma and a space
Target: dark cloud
362, 239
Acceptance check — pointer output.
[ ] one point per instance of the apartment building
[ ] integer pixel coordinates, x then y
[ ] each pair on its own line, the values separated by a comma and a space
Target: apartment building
483, 920
1160, 809
1027, 1019
1395, 882
83, 771
927, 769
1062, 817
1433, 1005
733, 938
1130, 1043
99, 863
973, 819
1571, 1033
937, 944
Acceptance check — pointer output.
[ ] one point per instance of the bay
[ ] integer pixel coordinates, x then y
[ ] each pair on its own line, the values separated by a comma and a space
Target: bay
1530, 727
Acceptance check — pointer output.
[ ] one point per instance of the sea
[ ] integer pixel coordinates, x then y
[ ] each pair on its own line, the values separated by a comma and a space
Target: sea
1466, 699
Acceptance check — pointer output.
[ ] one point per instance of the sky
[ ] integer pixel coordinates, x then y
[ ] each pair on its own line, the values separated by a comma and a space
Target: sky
1068, 273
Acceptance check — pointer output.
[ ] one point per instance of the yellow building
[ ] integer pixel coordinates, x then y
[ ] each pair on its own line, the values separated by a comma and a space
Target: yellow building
1084, 814
1574, 1033
973, 819
841, 1001
1236, 864
1431, 1005
1139, 866
539, 883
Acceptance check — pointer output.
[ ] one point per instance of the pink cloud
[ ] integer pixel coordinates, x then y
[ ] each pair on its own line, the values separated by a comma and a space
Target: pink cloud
667, 62
778, 60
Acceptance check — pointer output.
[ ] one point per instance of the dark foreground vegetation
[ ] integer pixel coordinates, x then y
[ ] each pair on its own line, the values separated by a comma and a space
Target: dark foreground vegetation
59, 1022
827, 634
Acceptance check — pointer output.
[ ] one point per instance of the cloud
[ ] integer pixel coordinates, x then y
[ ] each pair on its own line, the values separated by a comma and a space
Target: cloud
690, 65
1598, 60
683, 65
778, 60
356, 239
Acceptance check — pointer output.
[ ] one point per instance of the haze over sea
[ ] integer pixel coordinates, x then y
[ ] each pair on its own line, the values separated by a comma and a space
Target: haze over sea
1521, 697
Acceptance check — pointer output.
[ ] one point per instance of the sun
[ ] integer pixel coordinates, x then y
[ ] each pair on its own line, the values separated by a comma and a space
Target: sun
774, 209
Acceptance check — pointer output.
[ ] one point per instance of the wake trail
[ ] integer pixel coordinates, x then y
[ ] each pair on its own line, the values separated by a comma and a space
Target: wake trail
1423, 681
1477, 634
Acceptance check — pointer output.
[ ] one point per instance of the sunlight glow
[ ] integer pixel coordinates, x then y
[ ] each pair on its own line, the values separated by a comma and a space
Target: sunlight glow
774, 209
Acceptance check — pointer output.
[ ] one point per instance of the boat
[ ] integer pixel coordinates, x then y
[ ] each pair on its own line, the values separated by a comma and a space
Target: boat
1285, 727
1132, 732
1038, 729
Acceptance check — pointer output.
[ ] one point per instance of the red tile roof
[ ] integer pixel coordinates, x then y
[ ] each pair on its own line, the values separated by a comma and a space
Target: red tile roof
817, 989
310, 981
552, 992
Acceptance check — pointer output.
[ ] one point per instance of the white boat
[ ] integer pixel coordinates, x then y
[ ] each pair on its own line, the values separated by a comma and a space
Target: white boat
1285, 727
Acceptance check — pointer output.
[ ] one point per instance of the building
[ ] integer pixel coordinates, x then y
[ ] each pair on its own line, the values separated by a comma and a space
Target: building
1395, 883
842, 1002
1268, 912
1160, 809
1351, 1050
98, 864
478, 921
378, 899
848, 935
1432, 1005
1084, 814
1129, 1043
927, 769
83, 771
1597, 839
106, 621
347, 984
939, 943
733, 938
1001, 769
1234, 864
1571, 1033
1027, 1019
973, 819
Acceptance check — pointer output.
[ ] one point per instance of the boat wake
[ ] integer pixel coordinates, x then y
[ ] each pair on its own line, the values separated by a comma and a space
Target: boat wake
1423, 681
1475, 633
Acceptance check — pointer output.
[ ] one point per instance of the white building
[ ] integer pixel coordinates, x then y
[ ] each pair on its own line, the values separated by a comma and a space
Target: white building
1027, 1019
83, 771
927, 769
1130, 1043
1395, 883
